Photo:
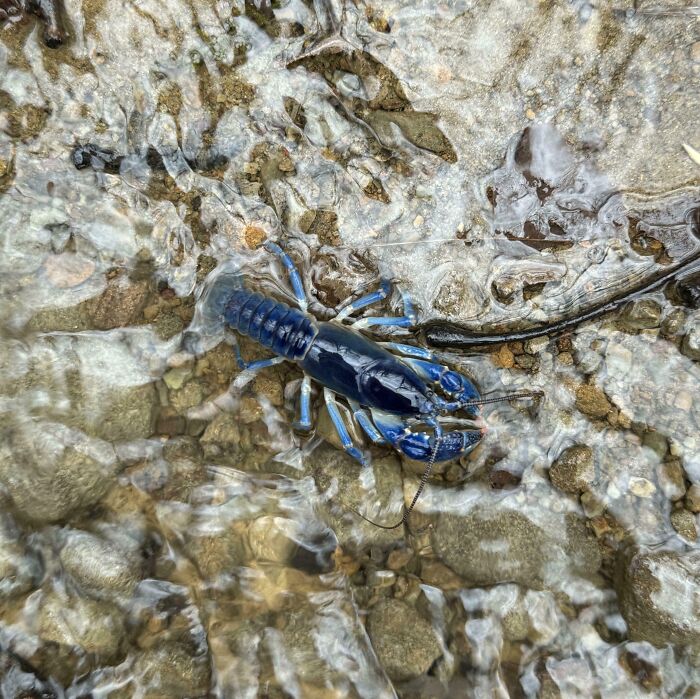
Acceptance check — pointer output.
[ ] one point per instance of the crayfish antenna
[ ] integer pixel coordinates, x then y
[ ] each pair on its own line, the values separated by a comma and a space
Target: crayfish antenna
502, 399
421, 487
376, 524
403, 520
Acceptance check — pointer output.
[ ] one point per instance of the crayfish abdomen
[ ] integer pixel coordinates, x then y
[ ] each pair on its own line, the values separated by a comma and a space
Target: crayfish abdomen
287, 331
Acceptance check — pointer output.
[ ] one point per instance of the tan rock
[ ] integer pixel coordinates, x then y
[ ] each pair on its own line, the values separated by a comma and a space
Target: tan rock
592, 401
68, 269
684, 523
574, 470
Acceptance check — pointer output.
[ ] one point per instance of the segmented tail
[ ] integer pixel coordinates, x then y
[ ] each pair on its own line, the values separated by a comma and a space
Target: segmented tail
286, 331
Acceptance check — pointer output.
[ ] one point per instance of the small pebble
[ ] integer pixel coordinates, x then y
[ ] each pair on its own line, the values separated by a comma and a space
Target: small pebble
381, 578
399, 558
565, 358
600, 526
692, 498
624, 420
671, 479
684, 401
695, 51
684, 523
642, 487
504, 358
176, 378
525, 361
592, 401
254, 236
285, 164
573, 471
536, 345
435, 573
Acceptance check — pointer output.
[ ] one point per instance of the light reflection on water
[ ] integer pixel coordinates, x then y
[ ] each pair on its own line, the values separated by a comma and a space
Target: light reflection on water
164, 532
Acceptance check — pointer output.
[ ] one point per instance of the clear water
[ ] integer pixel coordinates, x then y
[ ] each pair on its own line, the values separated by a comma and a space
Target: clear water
164, 532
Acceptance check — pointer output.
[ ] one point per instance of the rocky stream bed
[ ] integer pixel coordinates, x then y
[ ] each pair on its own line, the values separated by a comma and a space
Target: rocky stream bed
164, 533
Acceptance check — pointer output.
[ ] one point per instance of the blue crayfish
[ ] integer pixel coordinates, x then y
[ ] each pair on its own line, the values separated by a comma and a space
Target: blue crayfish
392, 398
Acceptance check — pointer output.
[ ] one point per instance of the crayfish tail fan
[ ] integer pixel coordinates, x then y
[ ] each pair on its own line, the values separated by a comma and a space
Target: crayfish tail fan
207, 327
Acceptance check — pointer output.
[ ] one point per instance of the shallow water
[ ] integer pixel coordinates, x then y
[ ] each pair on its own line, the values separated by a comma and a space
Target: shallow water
164, 532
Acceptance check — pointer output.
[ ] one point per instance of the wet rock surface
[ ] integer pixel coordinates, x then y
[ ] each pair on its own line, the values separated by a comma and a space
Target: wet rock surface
98, 566
405, 643
498, 545
693, 498
164, 530
97, 384
337, 476
171, 669
19, 568
684, 523
51, 472
592, 401
657, 596
216, 555
574, 469
74, 626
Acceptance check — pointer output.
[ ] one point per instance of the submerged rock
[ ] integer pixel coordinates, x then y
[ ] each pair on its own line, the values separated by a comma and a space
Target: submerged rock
497, 544
71, 627
573, 471
120, 303
51, 471
592, 401
273, 538
114, 398
60, 319
126, 414
191, 394
19, 569
376, 492
172, 669
222, 435
684, 523
645, 313
96, 384
404, 642
692, 498
691, 342
94, 627
671, 479
98, 566
657, 593
299, 633
216, 553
